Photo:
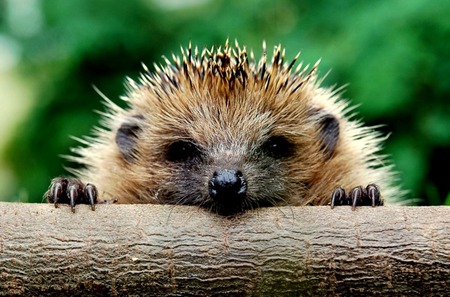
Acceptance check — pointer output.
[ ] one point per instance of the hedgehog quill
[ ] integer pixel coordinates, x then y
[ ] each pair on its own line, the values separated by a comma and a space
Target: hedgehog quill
221, 130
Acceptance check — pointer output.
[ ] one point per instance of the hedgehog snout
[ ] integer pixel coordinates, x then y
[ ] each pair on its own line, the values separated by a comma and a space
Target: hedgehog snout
227, 186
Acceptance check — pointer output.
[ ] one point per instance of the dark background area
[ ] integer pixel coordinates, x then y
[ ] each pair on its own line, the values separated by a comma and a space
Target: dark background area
394, 55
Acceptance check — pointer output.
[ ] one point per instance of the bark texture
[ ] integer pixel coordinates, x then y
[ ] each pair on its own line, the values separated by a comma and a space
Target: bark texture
156, 250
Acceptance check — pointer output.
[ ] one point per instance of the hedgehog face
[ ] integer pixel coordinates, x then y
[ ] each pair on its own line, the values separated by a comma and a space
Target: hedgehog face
227, 177
230, 167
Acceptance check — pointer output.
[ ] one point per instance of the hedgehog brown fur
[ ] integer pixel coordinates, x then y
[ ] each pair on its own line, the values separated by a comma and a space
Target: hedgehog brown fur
223, 131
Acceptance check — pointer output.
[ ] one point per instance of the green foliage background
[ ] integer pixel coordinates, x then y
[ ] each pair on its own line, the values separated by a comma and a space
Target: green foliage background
394, 54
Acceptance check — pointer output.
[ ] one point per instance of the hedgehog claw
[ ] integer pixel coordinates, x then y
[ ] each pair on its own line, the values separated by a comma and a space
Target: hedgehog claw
72, 197
56, 191
71, 192
90, 192
58, 188
373, 193
358, 196
338, 197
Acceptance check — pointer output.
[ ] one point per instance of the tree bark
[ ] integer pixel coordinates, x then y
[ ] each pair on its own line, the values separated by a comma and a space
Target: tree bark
156, 250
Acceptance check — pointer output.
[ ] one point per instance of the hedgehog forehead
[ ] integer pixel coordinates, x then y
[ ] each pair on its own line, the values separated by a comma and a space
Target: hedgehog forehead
214, 119
243, 118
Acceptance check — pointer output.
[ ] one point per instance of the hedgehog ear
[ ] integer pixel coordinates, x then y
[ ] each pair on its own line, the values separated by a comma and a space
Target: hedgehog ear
329, 134
127, 135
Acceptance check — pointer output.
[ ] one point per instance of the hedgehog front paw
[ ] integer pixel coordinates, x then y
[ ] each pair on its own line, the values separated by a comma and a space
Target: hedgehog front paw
72, 192
370, 196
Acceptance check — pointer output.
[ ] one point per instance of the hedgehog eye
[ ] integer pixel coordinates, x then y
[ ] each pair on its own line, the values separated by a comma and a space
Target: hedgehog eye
278, 147
126, 137
329, 134
183, 150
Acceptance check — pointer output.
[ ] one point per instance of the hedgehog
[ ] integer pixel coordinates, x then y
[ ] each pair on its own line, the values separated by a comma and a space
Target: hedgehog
220, 130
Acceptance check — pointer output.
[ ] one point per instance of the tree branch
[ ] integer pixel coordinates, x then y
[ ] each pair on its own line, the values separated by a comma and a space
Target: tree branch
182, 251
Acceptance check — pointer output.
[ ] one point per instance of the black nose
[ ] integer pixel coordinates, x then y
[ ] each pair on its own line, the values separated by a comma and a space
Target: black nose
227, 186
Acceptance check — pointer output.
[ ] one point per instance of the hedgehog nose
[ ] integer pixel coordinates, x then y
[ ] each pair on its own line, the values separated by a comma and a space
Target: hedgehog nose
227, 186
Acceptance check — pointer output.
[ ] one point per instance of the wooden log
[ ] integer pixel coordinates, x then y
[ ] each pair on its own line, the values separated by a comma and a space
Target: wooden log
156, 250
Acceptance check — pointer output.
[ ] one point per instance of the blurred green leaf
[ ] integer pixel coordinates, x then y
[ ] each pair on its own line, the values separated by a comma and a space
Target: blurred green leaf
447, 200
